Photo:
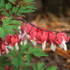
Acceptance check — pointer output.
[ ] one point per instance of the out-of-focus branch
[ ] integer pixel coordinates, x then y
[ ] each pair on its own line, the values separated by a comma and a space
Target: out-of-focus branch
39, 27
60, 52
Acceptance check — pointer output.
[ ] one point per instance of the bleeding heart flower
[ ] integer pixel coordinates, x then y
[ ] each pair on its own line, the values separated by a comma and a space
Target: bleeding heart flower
28, 28
14, 39
38, 36
22, 29
44, 45
61, 40
8, 39
2, 48
52, 40
42, 37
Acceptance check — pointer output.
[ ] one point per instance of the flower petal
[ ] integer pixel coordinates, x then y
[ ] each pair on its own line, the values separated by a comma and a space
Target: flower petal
44, 45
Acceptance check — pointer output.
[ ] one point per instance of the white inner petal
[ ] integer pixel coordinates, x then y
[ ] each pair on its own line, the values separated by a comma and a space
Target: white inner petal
44, 45
25, 42
53, 47
16, 46
34, 42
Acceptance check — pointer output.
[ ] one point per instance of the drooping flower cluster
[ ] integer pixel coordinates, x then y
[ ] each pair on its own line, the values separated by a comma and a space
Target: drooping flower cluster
35, 35
38, 36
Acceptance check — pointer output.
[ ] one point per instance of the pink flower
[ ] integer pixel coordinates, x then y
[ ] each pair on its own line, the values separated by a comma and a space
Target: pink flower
41, 36
52, 40
33, 33
38, 36
4, 17
52, 37
22, 29
28, 28
2, 48
62, 39
8, 39
12, 40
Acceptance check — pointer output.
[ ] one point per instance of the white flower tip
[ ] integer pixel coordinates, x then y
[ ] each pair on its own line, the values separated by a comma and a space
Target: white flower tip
16, 46
7, 51
25, 42
65, 47
44, 45
34, 42
21, 43
20, 32
10, 47
53, 47
19, 27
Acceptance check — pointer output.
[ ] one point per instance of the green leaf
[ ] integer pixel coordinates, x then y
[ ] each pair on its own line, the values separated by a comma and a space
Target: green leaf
7, 64
24, 47
17, 61
6, 13
38, 52
2, 33
40, 66
14, 9
8, 26
26, 9
30, 50
11, 54
6, 21
14, 49
11, 0
28, 64
8, 6
28, 0
2, 4
52, 68
34, 67
15, 22
2, 68
28, 58
3, 61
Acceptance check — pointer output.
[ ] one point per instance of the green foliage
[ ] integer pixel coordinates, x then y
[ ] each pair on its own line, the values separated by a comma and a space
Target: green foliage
37, 52
8, 6
52, 68
3, 61
8, 9
2, 4
11, 0
26, 51
41, 66
27, 9
28, 0
17, 61
8, 26
11, 54
15, 9
28, 58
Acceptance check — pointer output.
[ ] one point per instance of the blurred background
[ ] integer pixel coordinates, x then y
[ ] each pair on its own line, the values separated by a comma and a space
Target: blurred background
53, 15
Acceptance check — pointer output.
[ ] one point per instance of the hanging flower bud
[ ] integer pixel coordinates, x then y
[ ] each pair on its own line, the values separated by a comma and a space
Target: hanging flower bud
61, 40
52, 39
